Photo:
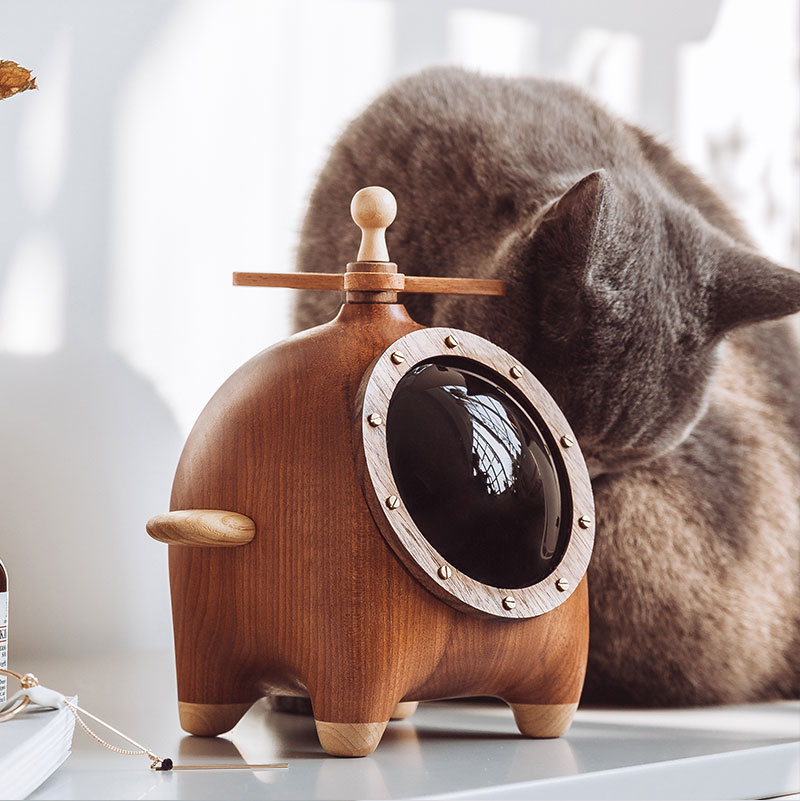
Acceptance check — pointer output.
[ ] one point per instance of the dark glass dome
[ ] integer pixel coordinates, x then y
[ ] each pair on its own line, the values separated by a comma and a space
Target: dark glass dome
476, 474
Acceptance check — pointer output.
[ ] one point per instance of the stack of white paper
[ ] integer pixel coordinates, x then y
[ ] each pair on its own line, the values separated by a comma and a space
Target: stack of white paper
32, 745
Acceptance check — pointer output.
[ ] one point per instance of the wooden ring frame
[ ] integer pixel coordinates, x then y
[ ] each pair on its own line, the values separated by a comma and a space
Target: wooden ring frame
397, 524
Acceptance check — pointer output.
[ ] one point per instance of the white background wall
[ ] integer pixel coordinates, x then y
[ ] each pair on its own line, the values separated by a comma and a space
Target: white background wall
174, 141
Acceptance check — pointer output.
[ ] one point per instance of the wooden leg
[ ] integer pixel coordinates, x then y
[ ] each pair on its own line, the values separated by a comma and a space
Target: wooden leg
349, 739
405, 709
351, 717
543, 720
209, 720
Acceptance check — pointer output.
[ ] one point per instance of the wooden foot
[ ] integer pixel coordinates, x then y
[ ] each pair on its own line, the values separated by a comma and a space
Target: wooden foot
209, 720
543, 720
405, 709
349, 739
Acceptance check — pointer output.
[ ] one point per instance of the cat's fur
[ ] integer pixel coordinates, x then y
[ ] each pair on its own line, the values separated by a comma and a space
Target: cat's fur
633, 296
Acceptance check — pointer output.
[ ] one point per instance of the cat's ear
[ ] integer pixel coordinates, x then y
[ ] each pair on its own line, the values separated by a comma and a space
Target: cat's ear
572, 227
749, 288
569, 240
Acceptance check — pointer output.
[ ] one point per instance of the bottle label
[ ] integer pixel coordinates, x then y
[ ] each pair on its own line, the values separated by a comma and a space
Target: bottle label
3, 643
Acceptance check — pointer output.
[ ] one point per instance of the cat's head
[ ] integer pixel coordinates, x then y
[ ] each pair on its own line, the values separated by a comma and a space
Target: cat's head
632, 293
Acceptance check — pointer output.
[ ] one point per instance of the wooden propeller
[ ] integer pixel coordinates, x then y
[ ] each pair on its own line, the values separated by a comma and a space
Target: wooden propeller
370, 279
373, 278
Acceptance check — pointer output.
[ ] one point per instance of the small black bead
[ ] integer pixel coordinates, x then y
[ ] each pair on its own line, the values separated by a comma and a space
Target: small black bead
166, 764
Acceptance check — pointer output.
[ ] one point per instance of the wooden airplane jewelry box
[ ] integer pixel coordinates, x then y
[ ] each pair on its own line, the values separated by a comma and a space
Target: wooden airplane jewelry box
372, 513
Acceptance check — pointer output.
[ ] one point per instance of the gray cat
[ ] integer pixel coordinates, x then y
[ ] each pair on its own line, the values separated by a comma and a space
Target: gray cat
637, 299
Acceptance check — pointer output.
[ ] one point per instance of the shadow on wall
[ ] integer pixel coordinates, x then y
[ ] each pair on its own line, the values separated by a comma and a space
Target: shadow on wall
87, 449
421, 36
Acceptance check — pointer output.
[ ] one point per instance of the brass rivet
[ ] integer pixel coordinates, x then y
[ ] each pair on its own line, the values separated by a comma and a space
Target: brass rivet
393, 502
584, 521
567, 441
451, 341
374, 419
445, 572
515, 372
509, 602
398, 358
562, 585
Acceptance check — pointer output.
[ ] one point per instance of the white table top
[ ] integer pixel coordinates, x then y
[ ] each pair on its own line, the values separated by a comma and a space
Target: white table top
446, 750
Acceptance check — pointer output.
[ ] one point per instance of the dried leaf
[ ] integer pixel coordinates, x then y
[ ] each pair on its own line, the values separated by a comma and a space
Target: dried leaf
14, 78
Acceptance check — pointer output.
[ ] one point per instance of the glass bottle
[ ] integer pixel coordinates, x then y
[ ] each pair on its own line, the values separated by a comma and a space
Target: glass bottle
3, 629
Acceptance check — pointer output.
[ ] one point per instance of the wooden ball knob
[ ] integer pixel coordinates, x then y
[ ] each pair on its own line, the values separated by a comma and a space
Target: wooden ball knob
373, 210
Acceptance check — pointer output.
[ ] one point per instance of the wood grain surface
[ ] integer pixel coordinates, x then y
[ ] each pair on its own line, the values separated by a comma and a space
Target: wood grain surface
350, 739
405, 709
206, 720
373, 210
425, 284
209, 528
362, 280
543, 720
331, 281
318, 603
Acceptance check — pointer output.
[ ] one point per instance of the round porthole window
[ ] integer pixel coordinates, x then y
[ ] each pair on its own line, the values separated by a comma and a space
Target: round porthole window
473, 474
476, 474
